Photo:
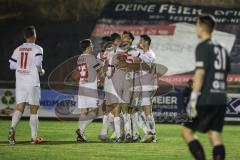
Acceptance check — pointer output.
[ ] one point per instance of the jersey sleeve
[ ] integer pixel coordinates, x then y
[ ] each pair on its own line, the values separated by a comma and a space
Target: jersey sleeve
13, 60
39, 58
201, 57
148, 58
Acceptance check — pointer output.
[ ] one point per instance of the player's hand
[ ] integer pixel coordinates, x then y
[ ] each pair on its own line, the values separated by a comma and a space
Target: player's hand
192, 105
42, 72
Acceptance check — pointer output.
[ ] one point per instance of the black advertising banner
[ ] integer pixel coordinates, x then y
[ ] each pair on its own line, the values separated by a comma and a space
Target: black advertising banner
155, 11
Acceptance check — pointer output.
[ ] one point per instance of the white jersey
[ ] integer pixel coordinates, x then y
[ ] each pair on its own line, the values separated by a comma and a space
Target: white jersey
27, 60
148, 57
88, 93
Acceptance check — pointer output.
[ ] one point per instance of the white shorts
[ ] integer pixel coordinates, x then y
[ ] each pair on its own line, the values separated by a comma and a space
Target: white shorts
143, 90
111, 95
28, 94
88, 95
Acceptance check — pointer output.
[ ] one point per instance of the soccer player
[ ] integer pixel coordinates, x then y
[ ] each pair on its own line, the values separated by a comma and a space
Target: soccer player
129, 113
105, 43
147, 83
88, 100
108, 118
26, 60
208, 101
111, 85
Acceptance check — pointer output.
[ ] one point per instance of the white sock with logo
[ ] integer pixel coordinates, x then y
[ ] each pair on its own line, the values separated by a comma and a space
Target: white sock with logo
151, 121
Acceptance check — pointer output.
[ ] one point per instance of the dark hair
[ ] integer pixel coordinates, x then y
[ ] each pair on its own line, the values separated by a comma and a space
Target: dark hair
207, 20
129, 34
28, 31
190, 82
84, 44
115, 36
106, 39
146, 38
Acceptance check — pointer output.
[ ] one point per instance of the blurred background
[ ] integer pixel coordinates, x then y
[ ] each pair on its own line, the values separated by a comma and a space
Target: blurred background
60, 25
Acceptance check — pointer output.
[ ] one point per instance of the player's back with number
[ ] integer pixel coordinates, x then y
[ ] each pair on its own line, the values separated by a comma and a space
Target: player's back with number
214, 59
28, 57
87, 66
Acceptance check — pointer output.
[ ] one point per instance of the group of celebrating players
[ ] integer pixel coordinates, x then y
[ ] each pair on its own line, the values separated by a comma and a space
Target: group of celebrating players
128, 76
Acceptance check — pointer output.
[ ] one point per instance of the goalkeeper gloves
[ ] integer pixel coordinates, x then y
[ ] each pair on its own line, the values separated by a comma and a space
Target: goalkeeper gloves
192, 105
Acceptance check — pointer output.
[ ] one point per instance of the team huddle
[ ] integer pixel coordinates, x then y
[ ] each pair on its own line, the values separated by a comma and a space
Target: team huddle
128, 76
126, 73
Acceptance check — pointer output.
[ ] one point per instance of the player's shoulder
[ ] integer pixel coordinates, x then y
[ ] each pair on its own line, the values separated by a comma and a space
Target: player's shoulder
151, 52
218, 44
37, 47
203, 43
87, 56
91, 56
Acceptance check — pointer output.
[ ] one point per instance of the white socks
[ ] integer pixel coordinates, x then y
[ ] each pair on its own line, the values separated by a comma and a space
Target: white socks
143, 123
33, 122
15, 118
111, 121
83, 125
34, 125
105, 126
134, 117
151, 122
127, 123
117, 126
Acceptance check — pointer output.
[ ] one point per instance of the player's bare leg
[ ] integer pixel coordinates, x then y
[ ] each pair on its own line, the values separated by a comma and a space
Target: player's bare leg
127, 122
33, 122
194, 145
216, 141
15, 119
116, 112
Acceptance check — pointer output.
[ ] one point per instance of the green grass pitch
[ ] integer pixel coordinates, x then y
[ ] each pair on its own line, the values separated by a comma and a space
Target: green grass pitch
61, 144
